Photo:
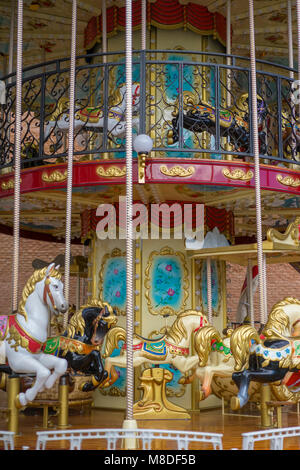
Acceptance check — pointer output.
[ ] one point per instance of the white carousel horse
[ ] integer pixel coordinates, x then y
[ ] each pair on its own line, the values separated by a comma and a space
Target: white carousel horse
220, 363
172, 348
23, 334
92, 117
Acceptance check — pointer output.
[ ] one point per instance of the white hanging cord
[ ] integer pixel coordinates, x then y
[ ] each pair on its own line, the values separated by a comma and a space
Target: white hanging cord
17, 162
228, 51
70, 158
129, 226
104, 31
262, 286
209, 294
144, 25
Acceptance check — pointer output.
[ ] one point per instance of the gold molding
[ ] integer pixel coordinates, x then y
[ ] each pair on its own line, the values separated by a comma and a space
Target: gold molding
9, 184
166, 251
238, 174
55, 176
288, 181
177, 171
115, 253
111, 172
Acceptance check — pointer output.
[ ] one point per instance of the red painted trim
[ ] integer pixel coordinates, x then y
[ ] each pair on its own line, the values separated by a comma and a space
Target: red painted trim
207, 172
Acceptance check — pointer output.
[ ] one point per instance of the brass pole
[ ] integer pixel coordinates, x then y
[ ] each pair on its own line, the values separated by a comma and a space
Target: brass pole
63, 397
13, 389
265, 396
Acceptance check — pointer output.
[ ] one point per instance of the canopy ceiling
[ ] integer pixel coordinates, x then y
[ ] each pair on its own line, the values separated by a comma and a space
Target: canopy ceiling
47, 27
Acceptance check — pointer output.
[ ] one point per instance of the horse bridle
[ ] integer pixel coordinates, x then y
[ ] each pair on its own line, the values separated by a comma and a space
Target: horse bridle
48, 292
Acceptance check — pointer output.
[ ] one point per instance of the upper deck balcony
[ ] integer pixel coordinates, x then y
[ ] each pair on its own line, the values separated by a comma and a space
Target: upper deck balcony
193, 106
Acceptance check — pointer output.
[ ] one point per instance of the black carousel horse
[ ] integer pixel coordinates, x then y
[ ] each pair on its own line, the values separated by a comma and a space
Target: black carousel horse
81, 343
234, 122
266, 358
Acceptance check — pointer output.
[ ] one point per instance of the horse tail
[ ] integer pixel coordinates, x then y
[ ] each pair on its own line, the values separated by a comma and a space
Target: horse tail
203, 341
113, 337
240, 344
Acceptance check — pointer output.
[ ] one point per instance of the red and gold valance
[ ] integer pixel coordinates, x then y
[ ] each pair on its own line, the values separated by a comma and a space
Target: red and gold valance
164, 14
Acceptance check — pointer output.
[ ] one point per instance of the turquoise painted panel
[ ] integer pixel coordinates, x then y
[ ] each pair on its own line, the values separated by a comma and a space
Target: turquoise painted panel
114, 282
167, 282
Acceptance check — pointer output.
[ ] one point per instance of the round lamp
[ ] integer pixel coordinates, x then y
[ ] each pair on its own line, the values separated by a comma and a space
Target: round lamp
142, 143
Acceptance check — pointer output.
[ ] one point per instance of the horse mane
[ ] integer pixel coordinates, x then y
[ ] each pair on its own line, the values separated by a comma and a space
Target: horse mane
278, 320
178, 331
37, 276
77, 322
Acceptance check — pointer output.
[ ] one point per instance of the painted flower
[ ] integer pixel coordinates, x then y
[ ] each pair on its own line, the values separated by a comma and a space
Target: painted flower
118, 294
169, 267
171, 292
116, 271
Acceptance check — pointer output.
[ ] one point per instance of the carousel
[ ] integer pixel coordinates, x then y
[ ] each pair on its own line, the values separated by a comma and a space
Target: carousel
162, 137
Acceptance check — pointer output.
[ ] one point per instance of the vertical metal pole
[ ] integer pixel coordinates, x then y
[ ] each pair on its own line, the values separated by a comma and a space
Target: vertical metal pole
11, 38
290, 37
17, 162
250, 292
78, 291
129, 422
104, 31
209, 295
70, 157
13, 389
265, 284
256, 164
298, 40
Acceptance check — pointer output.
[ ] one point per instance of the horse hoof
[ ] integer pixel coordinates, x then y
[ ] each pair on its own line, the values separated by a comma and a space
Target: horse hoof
20, 401
235, 403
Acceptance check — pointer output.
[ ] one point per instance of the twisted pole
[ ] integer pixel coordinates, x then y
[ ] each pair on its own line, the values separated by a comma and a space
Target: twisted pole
260, 263
70, 157
129, 226
17, 162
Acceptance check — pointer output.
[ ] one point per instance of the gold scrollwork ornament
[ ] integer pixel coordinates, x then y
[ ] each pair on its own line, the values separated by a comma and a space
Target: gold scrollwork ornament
177, 171
55, 176
111, 172
238, 174
288, 181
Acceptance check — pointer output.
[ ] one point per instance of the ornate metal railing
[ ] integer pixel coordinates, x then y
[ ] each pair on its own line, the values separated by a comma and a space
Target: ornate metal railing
193, 105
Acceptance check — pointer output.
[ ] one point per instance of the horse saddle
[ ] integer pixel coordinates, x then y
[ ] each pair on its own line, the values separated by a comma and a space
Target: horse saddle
155, 348
90, 114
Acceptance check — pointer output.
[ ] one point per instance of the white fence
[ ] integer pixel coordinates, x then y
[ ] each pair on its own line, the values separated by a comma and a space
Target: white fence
143, 437
7, 437
275, 436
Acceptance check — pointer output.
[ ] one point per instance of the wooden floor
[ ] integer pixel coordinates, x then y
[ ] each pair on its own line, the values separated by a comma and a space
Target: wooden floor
230, 425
